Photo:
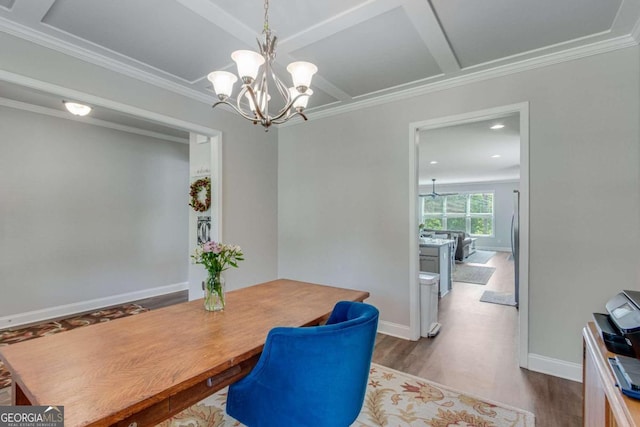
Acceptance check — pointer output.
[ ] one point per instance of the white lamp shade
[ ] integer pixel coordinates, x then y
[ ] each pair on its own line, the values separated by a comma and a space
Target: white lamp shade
261, 100
301, 73
303, 100
248, 63
222, 82
77, 109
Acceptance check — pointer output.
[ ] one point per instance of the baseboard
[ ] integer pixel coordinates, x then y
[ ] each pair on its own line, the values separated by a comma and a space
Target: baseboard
556, 367
545, 365
80, 307
394, 330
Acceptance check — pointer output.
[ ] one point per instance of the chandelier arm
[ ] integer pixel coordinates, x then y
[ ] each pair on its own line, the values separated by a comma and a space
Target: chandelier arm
286, 111
287, 108
239, 107
240, 94
282, 88
265, 92
237, 110
284, 92
297, 113
261, 87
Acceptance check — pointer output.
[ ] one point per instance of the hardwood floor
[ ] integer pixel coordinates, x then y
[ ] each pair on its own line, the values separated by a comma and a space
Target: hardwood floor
164, 300
476, 352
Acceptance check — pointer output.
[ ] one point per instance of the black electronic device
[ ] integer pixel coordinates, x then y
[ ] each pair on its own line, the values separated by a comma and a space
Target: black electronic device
620, 331
611, 335
620, 328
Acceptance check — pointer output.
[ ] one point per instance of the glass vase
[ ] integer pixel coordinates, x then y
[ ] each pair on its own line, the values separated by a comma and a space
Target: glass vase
214, 298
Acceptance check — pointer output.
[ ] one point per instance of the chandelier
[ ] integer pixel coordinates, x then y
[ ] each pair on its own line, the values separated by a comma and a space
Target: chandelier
255, 82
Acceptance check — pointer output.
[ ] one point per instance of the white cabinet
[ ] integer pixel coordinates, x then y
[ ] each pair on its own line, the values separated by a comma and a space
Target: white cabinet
436, 257
430, 263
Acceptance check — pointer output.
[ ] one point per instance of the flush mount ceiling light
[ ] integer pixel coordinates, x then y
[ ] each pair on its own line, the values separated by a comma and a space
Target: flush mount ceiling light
497, 126
255, 85
77, 109
433, 162
496, 156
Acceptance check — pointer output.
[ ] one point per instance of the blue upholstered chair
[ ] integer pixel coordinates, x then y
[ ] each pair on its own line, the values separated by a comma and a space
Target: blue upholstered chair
313, 376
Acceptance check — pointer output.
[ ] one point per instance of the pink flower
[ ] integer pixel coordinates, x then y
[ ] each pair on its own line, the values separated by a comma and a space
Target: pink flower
212, 247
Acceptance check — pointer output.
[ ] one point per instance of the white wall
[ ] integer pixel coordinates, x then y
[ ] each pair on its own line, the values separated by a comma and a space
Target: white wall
344, 193
249, 154
502, 207
87, 212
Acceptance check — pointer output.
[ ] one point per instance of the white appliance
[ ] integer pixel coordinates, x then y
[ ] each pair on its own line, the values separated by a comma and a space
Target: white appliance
429, 326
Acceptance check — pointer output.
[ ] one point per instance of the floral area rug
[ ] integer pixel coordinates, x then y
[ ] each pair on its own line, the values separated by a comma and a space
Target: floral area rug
9, 336
393, 399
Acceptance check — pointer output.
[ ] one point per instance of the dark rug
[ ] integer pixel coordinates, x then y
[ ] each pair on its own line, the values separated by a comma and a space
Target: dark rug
494, 297
472, 274
9, 336
480, 257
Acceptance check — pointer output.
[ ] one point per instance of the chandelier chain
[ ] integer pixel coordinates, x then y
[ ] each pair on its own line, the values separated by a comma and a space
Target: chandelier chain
266, 16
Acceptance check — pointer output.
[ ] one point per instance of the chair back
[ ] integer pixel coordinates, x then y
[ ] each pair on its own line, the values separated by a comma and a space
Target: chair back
313, 376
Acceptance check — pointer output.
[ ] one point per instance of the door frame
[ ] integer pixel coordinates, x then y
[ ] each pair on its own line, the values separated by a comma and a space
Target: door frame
414, 141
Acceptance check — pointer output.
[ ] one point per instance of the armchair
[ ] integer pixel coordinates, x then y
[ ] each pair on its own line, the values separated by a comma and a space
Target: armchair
313, 376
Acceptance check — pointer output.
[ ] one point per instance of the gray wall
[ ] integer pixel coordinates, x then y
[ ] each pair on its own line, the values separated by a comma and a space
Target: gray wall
87, 212
344, 192
502, 205
339, 211
250, 159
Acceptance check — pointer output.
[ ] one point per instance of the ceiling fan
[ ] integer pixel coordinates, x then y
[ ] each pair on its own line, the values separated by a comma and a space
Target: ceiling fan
433, 193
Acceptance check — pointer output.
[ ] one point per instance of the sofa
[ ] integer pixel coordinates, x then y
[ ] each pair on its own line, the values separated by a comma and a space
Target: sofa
463, 240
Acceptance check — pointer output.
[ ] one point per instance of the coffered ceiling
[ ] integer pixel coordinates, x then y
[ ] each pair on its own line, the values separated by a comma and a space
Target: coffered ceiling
366, 50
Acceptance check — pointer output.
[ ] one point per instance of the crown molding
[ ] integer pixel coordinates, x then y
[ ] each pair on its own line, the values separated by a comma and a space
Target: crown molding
103, 61
478, 76
41, 39
18, 105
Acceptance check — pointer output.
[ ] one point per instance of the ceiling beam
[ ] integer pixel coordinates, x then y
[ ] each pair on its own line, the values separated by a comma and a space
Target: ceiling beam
219, 17
626, 20
337, 23
31, 12
426, 23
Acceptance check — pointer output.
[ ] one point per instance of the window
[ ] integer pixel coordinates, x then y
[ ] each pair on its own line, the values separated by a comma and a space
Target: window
469, 212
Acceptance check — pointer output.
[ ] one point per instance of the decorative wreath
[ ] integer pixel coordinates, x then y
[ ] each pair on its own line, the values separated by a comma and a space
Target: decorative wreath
196, 187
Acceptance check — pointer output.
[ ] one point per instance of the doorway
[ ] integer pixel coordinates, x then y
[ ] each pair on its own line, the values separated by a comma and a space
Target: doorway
518, 112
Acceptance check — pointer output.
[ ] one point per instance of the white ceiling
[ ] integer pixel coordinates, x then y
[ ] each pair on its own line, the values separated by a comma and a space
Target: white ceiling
464, 152
365, 50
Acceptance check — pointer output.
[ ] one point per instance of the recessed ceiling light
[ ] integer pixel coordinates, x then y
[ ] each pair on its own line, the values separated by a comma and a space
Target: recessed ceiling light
497, 126
495, 156
77, 109
433, 162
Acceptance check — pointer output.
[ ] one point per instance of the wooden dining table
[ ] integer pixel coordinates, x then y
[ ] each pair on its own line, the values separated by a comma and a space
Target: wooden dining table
140, 370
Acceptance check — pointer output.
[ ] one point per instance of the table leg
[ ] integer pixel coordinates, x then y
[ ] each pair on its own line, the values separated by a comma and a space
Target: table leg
17, 395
